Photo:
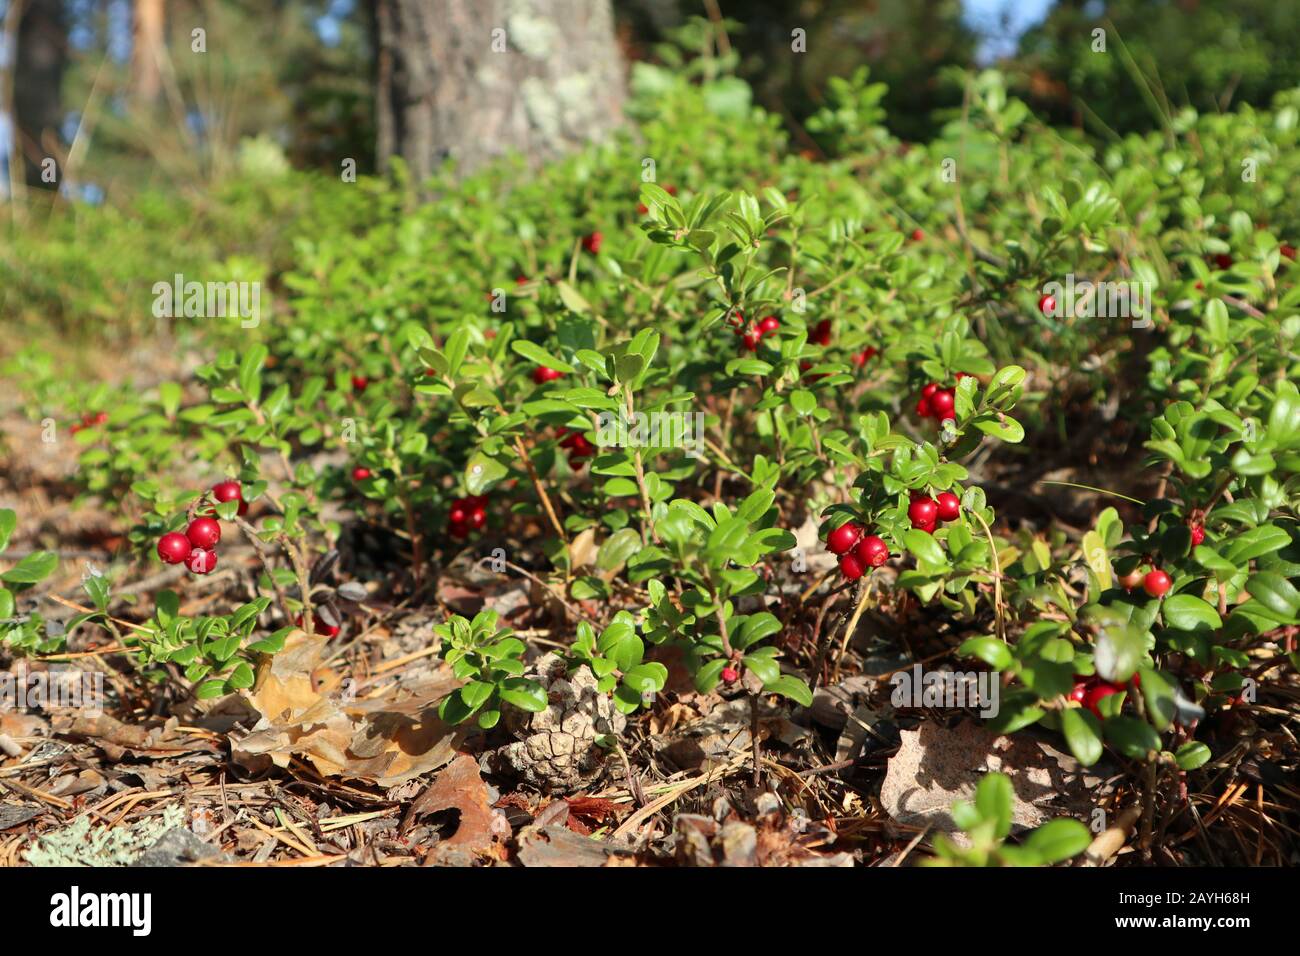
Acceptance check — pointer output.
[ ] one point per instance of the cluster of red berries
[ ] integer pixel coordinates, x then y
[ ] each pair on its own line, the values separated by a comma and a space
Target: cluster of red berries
857, 550
591, 242
750, 333
1091, 691
89, 421
925, 512
579, 447
197, 547
938, 403
466, 515
542, 374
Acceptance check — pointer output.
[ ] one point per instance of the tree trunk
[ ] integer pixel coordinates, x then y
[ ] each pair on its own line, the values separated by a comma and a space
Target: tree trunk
148, 24
42, 56
471, 80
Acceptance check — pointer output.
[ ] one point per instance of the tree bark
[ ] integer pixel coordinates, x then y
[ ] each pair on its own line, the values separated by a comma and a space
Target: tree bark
39, 64
472, 80
146, 50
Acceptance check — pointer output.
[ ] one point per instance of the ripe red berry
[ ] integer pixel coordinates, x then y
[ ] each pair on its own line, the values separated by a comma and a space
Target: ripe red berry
750, 339
866, 355
1223, 260
1198, 535
730, 675
923, 408
201, 560
1079, 692
769, 325
1096, 693
821, 333
1156, 583
1287, 250
319, 625
642, 208
949, 506
230, 491
850, 567
942, 403
917, 235
458, 529
204, 532
1047, 304
360, 473
591, 242
542, 374
843, 538
457, 514
923, 511
174, 547
477, 518
929, 390
872, 551
359, 383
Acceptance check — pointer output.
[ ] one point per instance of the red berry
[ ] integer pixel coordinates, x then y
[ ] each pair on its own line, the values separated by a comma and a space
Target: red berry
923, 511
1079, 692
1156, 583
476, 501
359, 383
230, 491
923, 408
929, 390
821, 333
872, 551
750, 339
201, 560
917, 235
319, 625
926, 526
850, 567
174, 547
542, 374
457, 514
477, 518
642, 208
769, 325
1047, 304
360, 473
1223, 260
730, 674
942, 403
591, 242
866, 355
204, 532
1198, 535
843, 538
1287, 250
1096, 693
949, 506
520, 280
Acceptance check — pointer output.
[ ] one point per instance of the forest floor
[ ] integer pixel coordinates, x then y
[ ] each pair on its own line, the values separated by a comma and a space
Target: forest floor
337, 756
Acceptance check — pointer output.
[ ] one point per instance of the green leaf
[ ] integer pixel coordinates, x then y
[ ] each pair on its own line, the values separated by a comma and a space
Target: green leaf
1186, 612
37, 566
993, 800
523, 693
210, 689
482, 471
791, 687
1192, 755
8, 521
990, 650
539, 355
1135, 739
1058, 840
1083, 733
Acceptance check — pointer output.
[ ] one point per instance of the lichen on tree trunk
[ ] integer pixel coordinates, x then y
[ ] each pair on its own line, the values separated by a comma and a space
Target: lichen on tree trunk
473, 80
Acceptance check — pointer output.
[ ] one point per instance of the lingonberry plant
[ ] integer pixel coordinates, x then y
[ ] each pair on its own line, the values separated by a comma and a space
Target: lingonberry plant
716, 426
